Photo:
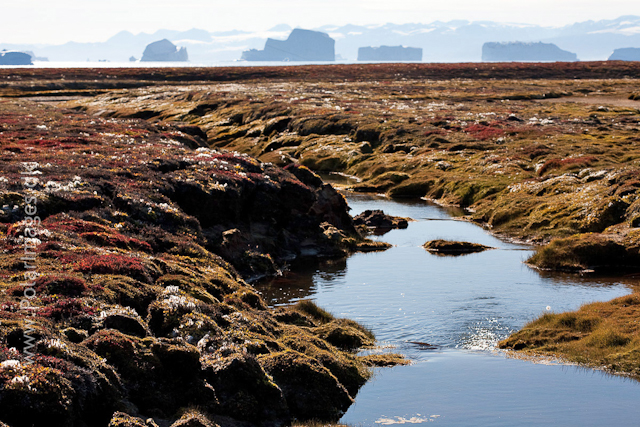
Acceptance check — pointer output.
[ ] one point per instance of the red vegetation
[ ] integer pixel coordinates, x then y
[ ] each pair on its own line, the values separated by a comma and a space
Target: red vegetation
64, 285
64, 223
115, 240
66, 308
69, 286
483, 132
569, 162
112, 264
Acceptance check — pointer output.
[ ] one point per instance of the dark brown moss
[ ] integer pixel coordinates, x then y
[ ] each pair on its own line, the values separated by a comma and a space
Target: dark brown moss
448, 247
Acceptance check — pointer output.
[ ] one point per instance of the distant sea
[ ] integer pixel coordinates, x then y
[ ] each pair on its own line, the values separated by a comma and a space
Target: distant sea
96, 64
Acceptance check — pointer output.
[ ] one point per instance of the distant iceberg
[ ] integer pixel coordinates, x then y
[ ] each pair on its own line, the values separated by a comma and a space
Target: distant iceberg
10, 57
519, 51
164, 50
302, 45
626, 54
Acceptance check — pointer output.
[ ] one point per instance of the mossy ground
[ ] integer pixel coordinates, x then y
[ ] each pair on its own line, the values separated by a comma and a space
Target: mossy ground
534, 151
138, 310
529, 157
524, 166
448, 247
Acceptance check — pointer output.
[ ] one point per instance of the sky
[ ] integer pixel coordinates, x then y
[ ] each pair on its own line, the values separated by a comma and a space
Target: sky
59, 21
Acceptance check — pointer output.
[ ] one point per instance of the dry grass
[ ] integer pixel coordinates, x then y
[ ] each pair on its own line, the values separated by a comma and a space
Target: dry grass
588, 252
602, 335
310, 308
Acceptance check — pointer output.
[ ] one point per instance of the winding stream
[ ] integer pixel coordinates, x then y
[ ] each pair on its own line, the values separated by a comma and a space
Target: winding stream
463, 306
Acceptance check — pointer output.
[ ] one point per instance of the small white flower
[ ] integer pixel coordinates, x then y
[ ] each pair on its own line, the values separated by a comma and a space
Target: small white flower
11, 364
55, 343
172, 290
22, 380
122, 311
175, 302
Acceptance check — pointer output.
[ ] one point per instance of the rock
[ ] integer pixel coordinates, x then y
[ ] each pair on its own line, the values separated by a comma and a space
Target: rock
244, 389
293, 372
626, 54
332, 233
302, 45
520, 51
368, 133
160, 375
75, 335
305, 175
389, 53
454, 248
14, 58
365, 148
54, 391
126, 324
164, 50
377, 219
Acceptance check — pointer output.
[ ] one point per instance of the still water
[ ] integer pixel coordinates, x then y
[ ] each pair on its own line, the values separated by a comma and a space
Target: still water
463, 306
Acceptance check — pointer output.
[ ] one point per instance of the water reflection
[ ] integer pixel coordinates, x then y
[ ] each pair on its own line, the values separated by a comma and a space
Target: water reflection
301, 281
408, 294
480, 389
461, 307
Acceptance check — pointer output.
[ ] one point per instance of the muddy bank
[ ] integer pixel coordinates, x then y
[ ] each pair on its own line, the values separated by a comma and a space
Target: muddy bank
126, 299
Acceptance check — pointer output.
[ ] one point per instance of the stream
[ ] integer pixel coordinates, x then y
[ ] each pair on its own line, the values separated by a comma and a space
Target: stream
462, 306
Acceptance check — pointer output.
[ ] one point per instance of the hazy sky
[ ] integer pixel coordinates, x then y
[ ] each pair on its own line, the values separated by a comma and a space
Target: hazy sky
58, 21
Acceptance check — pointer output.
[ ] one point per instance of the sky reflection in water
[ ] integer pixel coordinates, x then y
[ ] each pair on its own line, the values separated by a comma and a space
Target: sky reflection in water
463, 305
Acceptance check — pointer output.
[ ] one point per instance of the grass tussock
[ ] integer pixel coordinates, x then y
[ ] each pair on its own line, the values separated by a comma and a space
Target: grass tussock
604, 335
311, 309
385, 360
586, 252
